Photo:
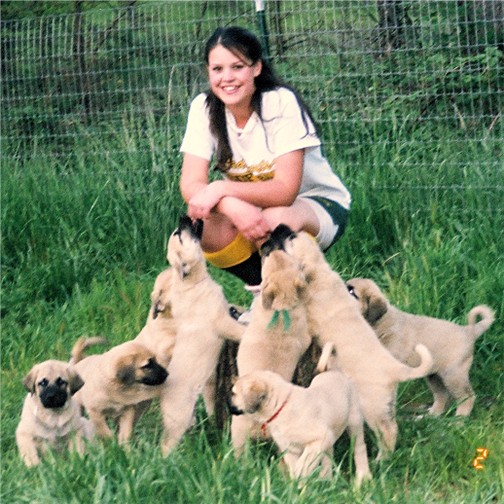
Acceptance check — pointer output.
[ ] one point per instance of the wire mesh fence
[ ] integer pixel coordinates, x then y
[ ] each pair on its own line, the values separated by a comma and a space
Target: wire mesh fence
417, 84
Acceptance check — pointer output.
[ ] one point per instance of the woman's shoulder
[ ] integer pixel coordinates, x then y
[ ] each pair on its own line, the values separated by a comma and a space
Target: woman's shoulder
199, 100
280, 102
278, 96
198, 109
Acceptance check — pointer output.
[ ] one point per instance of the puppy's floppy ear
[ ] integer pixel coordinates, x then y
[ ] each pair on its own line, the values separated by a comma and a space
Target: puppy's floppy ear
268, 294
75, 381
29, 381
126, 372
376, 308
256, 396
300, 284
267, 247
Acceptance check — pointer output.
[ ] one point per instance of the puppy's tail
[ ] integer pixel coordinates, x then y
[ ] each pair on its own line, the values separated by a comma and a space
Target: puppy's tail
487, 316
425, 367
326, 360
81, 344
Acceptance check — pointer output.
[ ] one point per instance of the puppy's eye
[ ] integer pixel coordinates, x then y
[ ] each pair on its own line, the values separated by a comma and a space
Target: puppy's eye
352, 292
61, 383
43, 383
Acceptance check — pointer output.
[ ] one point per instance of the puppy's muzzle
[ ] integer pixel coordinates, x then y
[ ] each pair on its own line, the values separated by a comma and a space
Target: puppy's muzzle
155, 374
233, 409
53, 397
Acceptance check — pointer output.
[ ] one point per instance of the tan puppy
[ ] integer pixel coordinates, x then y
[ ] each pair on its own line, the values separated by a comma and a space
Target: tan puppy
115, 383
304, 422
451, 345
334, 317
203, 321
159, 332
50, 417
277, 335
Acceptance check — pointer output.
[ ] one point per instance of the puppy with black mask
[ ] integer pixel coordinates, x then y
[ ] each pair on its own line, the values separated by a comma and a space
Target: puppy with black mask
118, 384
51, 418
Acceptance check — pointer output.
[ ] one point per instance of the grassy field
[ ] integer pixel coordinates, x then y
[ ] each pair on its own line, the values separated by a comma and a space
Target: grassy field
82, 241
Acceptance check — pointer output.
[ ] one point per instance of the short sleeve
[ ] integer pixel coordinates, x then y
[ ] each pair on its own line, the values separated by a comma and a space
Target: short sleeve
284, 121
198, 140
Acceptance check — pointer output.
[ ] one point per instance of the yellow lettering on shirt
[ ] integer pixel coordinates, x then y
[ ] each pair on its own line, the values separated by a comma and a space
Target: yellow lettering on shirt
239, 171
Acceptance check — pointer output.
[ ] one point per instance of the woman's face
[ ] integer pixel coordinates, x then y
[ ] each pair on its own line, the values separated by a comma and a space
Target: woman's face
232, 78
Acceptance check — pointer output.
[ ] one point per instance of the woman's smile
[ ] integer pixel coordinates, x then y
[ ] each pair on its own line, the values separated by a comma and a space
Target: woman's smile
231, 79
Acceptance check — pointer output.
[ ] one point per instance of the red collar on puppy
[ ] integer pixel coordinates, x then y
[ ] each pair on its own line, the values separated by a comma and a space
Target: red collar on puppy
264, 426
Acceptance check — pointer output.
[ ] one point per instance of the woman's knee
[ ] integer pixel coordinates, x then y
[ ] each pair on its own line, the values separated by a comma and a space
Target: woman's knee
218, 232
298, 217
280, 215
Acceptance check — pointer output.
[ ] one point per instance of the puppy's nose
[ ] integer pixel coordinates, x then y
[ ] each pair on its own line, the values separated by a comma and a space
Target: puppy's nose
234, 410
53, 397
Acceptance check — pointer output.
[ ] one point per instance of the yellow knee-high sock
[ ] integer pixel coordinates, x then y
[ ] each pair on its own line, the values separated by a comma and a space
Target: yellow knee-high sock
240, 257
234, 253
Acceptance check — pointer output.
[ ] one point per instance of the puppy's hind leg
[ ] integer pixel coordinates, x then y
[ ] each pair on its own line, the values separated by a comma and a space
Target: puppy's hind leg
209, 393
177, 418
457, 383
326, 464
386, 429
378, 410
311, 458
290, 459
356, 432
441, 395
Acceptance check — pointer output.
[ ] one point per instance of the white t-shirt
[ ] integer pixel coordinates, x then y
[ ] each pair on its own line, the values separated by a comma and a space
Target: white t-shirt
259, 143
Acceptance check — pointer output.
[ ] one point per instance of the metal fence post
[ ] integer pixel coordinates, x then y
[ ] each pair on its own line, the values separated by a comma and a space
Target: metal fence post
261, 21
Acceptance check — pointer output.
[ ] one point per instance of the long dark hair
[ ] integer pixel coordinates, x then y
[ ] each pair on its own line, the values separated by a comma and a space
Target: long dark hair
245, 45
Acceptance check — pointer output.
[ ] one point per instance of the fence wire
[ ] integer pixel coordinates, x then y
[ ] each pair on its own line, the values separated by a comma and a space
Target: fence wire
384, 78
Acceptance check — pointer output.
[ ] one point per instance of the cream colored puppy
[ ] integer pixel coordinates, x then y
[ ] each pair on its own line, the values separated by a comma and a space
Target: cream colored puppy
304, 422
277, 335
159, 331
451, 345
334, 317
51, 418
203, 321
116, 383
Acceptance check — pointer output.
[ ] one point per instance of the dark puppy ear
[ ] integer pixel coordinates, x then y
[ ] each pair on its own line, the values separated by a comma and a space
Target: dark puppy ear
257, 396
75, 382
300, 284
267, 247
376, 308
29, 381
126, 374
268, 296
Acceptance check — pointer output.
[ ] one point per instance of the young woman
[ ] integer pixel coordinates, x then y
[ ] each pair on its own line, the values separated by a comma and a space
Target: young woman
265, 145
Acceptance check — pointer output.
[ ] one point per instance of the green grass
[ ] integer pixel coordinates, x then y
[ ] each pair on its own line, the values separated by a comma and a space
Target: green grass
82, 241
